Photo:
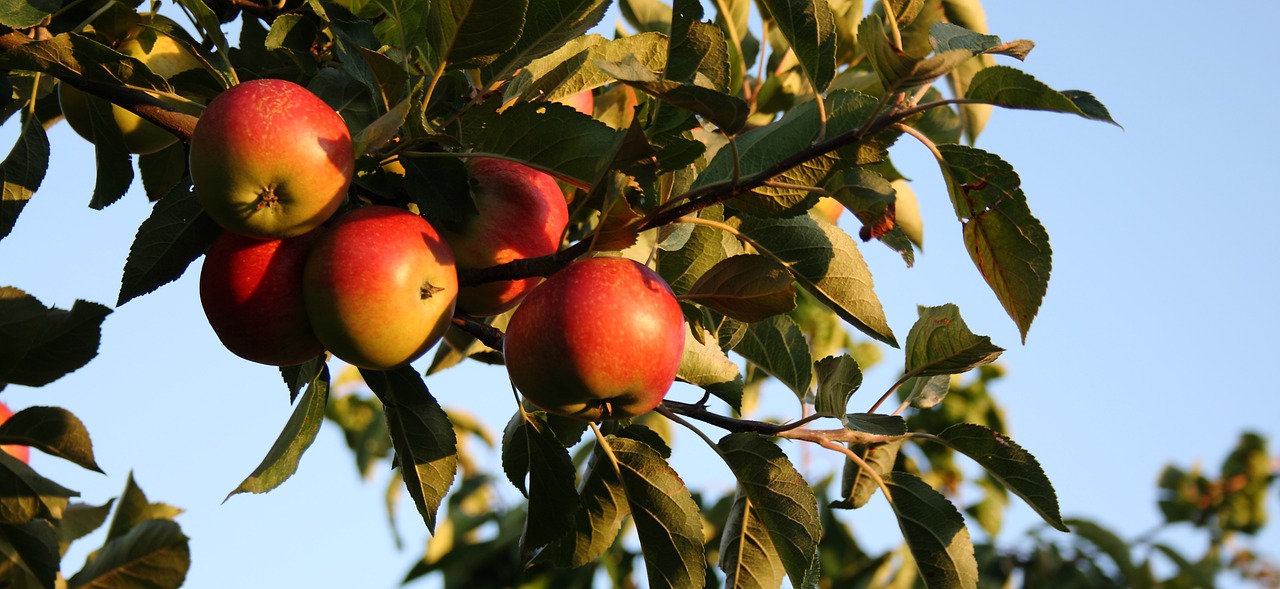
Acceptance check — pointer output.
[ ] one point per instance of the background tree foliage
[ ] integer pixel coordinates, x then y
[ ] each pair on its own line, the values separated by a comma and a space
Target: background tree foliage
717, 130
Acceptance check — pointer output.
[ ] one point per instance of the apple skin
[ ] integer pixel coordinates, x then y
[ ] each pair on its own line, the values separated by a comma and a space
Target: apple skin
20, 452
583, 102
269, 159
251, 291
829, 208
380, 287
522, 213
600, 339
167, 58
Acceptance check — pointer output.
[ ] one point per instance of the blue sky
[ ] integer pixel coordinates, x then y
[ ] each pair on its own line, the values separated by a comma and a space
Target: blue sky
1154, 343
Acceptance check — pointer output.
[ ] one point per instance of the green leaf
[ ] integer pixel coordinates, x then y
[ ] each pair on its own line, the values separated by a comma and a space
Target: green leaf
809, 28
727, 112
838, 379
698, 51
1005, 460
364, 425
705, 247
80, 520
406, 23
746, 287
163, 170
211, 28
602, 504
647, 16
176, 233
39, 344
424, 439
869, 196
35, 546
748, 555
857, 484
940, 343
780, 497
827, 263
666, 517
25, 495
571, 69
52, 430
876, 423
925, 392
114, 165
935, 533
1109, 543
298, 377
381, 130
299, 432
552, 498
1010, 88
22, 14
79, 57
133, 508
779, 348
1008, 245
551, 137
153, 555
549, 27
473, 33
22, 172
704, 364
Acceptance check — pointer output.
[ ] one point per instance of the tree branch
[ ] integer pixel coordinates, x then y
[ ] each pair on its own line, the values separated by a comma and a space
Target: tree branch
136, 101
526, 267
487, 334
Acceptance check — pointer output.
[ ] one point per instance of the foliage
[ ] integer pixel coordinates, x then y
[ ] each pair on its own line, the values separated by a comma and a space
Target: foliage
708, 148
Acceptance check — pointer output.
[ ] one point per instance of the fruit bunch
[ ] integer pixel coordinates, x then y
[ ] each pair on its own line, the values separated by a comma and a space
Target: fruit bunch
377, 285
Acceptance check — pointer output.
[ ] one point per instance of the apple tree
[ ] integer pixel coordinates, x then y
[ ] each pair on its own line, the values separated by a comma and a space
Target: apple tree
713, 145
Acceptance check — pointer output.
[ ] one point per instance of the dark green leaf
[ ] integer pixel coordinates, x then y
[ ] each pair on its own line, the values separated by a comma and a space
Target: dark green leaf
704, 364
940, 343
809, 28
382, 129
1005, 460
22, 172
727, 112
746, 287
549, 27
698, 53
114, 165
38, 344
666, 517
211, 28
36, 546
25, 495
838, 378
424, 439
925, 392
552, 498
780, 498
876, 423
175, 234
364, 425
1008, 245
406, 23
80, 520
779, 348
153, 555
296, 378
827, 263
1108, 542
857, 484
79, 57
748, 555
571, 68
602, 504
551, 137
935, 533
133, 508
52, 430
163, 170
647, 16
22, 14
705, 248
1011, 88
473, 33
869, 196
299, 432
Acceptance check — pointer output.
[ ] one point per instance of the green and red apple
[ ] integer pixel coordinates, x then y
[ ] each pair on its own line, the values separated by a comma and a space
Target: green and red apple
583, 102
251, 291
164, 56
380, 287
600, 339
269, 159
520, 213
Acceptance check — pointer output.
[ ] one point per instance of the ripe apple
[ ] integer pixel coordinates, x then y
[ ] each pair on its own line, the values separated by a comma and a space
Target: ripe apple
20, 452
583, 102
521, 214
165, 57
380, 287
600, 339
269, 159
829, 208
251, 290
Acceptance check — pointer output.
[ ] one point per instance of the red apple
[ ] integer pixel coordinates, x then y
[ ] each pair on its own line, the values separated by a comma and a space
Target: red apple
380, 287
600, 339
269, 159
583, 102
251, 290
521, 214
22, 453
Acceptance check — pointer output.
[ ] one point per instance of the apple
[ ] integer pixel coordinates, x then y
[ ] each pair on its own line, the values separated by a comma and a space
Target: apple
521, 213
164, 56
251, 291
829, 208
380, 287
583, 102
600, 339
20, 452
269, 159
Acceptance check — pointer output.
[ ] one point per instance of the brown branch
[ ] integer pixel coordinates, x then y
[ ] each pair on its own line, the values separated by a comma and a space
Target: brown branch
136, 101
526, 267
487, 334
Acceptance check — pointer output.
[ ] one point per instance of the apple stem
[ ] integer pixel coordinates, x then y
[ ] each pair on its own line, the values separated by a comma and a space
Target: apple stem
487, 334
606, 448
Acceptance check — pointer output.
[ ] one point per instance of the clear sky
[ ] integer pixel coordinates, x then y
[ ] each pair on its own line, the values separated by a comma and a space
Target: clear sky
1153, 344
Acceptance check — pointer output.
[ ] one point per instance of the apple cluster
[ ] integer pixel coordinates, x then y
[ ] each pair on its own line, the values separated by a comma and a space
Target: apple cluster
377, 285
